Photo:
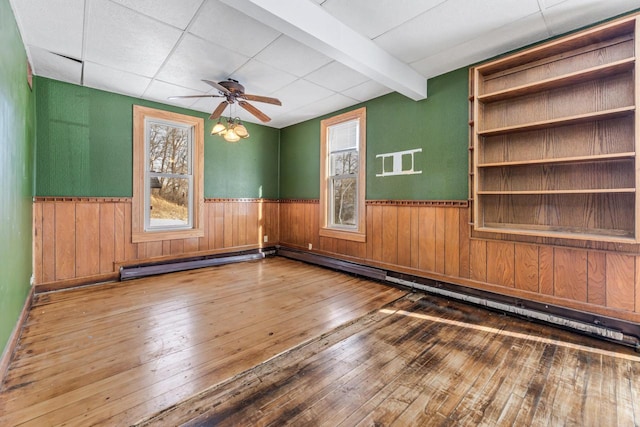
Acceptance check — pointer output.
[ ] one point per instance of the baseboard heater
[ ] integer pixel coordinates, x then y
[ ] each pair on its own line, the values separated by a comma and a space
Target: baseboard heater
610, 329
151, 269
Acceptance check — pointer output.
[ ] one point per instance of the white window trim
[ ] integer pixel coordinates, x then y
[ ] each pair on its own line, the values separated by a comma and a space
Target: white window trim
357, 233
138, 214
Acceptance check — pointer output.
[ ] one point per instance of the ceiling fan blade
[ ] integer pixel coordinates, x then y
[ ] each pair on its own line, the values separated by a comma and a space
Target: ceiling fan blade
219, 109
217, 86
258, 98
253, 110
195, 96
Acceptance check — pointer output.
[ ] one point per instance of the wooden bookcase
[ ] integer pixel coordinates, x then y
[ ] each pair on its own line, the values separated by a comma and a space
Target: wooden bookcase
554, 135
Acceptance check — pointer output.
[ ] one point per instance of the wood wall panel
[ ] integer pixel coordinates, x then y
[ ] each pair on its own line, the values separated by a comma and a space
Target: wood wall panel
390, 234
81, 238
570, 274
596, 276
478, 260
526, 267
501, 263
621, 281
404, 236
545, 269
451, 242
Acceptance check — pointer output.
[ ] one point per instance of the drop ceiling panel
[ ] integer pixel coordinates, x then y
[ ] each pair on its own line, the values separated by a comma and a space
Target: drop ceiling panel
301, 93
367, 90
100, 77
55, 66
227, 27
336, 77
262, 79
195, 59
54, 25
572, 14
451, 23
173, 12
520, 33
161, 91
375, 17
119, 38
293, 57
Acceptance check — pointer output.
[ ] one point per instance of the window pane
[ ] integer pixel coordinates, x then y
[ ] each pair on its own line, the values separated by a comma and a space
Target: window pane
343, 136
168, 149
344, 201
169, 202
344, 163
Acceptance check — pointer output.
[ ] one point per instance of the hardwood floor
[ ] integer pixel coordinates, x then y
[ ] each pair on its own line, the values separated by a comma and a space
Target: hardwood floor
279, 342
114, 354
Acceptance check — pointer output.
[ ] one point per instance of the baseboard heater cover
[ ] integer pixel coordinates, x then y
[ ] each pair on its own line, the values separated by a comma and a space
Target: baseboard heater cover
619, 331
151, 269
337, 264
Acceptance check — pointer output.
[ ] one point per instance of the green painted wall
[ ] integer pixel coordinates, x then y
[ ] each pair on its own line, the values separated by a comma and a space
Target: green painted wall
437, 124
16, 174
85, 142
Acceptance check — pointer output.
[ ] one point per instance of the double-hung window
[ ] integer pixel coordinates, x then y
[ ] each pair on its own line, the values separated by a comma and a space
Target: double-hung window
342, 168
167, 194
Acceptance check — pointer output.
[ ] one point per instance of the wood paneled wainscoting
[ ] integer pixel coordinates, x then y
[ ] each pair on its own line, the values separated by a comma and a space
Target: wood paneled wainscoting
85, 239
432, 239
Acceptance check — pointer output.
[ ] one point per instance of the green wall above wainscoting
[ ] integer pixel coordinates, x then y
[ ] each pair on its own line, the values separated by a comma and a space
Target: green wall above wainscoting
84, 147
437, 125
16, 174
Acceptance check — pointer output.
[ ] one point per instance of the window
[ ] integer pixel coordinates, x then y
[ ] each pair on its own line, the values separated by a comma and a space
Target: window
167, 175
342, 180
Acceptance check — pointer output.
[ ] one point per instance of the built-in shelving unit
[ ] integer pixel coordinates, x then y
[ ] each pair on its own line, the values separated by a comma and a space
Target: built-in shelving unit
554, 138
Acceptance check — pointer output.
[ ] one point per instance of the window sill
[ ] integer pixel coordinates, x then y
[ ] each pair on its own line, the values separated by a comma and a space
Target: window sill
154, 236
355, 236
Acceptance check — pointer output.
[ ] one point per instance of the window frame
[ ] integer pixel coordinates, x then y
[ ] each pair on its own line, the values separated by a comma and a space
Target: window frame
138, 232
358, 233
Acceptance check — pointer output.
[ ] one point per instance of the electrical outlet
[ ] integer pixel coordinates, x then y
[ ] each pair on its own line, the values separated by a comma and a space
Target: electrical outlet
265, 239
310, 246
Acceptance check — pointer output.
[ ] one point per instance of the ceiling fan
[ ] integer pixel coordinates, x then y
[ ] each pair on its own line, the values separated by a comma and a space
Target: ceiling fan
234, 93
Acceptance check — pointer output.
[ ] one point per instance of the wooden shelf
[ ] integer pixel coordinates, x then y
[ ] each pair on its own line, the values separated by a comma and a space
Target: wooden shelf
537, 192
562, 121
607, 235
563, 160
581, 76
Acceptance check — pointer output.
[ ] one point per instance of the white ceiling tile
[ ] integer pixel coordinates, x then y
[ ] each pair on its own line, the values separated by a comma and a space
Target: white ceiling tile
227, 27
300, 93
195, 59
512, 36
367, 90
375, 17
336, 76
327, 105
50, 65
262, 79
53, 25
104, 78
119, 38
572, 14
291, 56
161, 91
451, 23
207, 105
174, 12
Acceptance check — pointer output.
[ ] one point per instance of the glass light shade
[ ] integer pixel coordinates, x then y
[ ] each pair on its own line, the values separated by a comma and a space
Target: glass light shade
218, 129
231, 136
241, 131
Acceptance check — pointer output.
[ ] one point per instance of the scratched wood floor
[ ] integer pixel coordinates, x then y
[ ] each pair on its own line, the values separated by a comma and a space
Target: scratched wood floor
280, 342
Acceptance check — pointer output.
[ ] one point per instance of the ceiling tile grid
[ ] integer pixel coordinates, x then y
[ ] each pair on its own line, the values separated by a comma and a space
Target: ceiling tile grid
152, 50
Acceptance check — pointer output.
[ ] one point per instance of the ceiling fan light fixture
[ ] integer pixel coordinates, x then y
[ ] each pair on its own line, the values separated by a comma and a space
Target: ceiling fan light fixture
241, 131
218, 129
231, 136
